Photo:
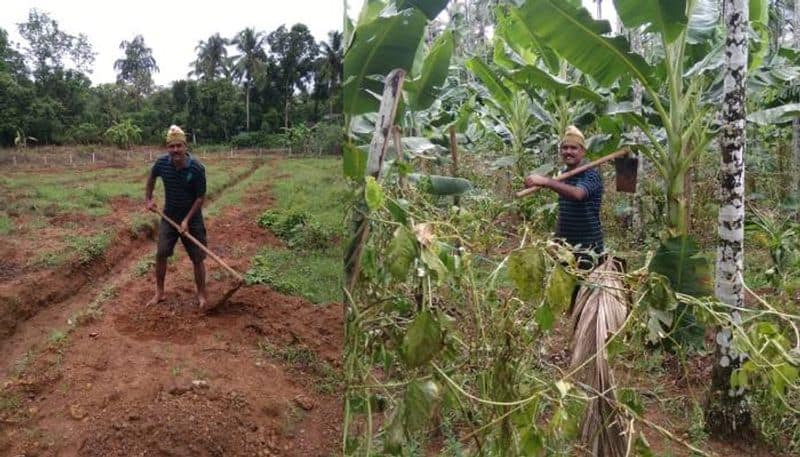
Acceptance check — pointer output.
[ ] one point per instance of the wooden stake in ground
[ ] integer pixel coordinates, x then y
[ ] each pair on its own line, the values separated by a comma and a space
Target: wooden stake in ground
377, 150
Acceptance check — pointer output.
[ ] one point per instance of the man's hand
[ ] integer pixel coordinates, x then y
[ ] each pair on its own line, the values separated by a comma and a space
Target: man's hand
184, 226
536, 180
149, 204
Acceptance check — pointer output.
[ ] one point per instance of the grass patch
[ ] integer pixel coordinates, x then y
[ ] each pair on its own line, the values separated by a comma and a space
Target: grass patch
314, 275
6, 225
88, 248
314, 186
9, 402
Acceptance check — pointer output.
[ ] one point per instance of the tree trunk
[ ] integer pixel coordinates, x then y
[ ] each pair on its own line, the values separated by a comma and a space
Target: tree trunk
796, 123
727, 413
247, 106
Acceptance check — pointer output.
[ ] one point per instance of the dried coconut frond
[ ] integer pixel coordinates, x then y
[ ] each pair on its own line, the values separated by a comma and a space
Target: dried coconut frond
600, 310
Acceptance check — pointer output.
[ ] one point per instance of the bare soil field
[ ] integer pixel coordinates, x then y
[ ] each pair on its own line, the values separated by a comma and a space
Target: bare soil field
87, 370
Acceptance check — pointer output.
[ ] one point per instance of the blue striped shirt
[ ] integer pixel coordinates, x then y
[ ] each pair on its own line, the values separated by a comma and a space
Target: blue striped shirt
181, 187
579, 220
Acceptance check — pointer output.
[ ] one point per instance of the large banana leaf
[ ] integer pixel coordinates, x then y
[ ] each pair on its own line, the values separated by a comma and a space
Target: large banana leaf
378, 47
498, 91
667, 17
679, 260
777, 115
519, 38
534, 77
703, 21
431, 8
423, 89
573, 34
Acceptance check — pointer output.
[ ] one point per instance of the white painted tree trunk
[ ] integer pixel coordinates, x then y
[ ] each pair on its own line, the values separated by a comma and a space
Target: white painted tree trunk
728, 413
731, 214
796, 122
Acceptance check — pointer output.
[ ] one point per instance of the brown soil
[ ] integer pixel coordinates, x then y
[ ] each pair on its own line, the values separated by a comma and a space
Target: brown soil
165, 380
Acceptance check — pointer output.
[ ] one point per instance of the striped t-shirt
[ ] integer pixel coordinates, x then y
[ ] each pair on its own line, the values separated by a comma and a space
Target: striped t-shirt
181, 187
579, 220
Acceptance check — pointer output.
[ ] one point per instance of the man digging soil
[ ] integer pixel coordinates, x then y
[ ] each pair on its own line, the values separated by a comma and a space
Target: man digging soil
184, 179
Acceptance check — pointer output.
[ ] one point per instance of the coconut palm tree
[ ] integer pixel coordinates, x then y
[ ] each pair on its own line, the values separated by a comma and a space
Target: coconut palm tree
248, 64
212, 58
330, 65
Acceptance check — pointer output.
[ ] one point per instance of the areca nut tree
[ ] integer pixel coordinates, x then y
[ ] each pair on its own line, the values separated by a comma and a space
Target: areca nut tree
249, 63
137, 66
728, 411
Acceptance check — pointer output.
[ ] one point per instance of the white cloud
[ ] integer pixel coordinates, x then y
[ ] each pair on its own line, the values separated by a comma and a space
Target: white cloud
172, 29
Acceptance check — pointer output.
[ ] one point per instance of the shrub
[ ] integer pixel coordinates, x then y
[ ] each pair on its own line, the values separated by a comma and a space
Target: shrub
124, 134
298, 229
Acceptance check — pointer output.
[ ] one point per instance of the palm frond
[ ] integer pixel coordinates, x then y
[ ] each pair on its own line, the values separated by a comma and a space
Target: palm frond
600, 310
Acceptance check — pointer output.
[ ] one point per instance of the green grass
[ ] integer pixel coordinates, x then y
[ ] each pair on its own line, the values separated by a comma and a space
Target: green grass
88, 248
6, 225
313, 275
315, 186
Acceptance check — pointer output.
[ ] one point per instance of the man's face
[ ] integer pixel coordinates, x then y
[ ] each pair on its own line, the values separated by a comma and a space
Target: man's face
177, 152
572, 154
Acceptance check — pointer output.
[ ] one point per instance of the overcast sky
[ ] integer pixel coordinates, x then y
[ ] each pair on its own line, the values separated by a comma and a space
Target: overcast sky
172, 28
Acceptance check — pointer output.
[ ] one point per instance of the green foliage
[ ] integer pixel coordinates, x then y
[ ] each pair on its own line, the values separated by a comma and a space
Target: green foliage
87, 248
423, 339
298, 229
314, 275
6, 224
124, 134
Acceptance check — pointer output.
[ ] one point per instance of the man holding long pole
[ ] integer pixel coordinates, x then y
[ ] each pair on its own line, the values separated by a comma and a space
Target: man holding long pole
184, 179
579, 200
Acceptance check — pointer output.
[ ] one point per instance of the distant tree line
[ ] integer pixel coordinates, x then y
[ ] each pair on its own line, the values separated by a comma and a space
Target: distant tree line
270, 87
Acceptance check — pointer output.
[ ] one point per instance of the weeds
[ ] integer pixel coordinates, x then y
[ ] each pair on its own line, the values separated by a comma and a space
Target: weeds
316, 276
88, 248
6, 224
144, 266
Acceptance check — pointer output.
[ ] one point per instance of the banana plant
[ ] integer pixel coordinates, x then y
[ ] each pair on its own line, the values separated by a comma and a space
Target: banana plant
676, 85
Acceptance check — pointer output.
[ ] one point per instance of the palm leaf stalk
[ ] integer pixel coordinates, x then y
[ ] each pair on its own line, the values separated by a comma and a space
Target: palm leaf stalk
600, 310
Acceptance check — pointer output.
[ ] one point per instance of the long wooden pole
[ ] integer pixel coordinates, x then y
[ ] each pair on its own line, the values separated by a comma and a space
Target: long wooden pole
620, 153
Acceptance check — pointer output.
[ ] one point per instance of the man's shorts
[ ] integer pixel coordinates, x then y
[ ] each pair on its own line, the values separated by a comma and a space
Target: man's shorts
168, 236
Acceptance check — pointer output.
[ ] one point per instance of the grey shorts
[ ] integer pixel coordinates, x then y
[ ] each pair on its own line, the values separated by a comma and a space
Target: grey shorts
168, 236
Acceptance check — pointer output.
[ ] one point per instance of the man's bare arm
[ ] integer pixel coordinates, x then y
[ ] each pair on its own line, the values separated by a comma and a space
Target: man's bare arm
563, 189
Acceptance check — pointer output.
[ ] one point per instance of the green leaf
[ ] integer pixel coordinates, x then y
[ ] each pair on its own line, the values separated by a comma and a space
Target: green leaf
528, 270
399, 210
354, 162
423, 340
642, 447
373, 194
499, 92
544, 317
431, 8
534, 77
379, 47
418, 404
703, 21
572, 33
559, 289
447, 185
401, 253
425, 88
680, 261
395, 435
431, 259
667, 17
519, 38
777, 115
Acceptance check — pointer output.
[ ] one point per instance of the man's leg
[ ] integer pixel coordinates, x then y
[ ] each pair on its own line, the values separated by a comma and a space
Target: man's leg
161, 273
167, 237
200, 282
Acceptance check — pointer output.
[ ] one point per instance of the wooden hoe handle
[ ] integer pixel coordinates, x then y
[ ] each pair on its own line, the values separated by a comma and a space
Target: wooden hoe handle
199, 244
579, 170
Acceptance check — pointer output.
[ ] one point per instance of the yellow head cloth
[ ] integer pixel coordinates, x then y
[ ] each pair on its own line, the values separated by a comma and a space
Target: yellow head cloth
175, 134
573, 136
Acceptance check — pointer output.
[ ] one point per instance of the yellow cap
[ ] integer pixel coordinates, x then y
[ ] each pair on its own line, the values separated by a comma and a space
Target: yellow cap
175, 134
573, 136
